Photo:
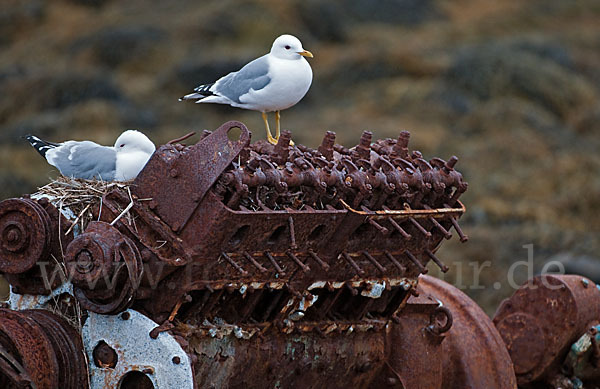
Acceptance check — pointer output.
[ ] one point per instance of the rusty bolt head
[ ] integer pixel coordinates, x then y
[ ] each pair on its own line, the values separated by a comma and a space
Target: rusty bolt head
403, 138
365, 139
87, 257
451, 162
14, 237
105, 356
173, 173
84, 262
176, 360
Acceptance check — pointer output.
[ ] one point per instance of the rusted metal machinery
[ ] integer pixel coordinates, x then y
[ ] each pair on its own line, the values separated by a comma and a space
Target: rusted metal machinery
551, 327
227, 264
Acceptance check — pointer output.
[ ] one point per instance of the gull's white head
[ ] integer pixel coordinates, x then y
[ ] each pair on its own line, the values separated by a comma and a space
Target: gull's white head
289, 47
133, 140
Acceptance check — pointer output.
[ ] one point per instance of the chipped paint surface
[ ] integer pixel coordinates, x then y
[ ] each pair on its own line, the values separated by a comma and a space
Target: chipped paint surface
136, 351
583, 355
307, 301
374, 289
288, 361
32, 301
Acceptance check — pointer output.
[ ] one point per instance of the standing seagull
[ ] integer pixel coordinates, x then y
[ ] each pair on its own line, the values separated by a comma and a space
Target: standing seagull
273, 82
90, 160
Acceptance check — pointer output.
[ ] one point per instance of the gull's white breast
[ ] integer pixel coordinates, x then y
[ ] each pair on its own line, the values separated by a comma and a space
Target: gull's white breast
290, 80
129, 164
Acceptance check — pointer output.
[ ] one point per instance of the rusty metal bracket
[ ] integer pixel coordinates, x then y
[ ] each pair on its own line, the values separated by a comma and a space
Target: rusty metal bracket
185, 176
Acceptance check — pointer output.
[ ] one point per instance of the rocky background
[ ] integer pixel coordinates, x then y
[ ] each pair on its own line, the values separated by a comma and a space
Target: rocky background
511, 87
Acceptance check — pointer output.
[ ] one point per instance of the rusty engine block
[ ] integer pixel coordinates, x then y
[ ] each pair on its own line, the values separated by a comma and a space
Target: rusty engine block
227, 264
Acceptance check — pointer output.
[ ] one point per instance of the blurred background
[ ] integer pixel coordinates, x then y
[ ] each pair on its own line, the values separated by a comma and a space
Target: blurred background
511, 87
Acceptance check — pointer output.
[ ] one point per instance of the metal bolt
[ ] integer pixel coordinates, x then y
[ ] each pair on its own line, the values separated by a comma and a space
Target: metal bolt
125, 315
176, 360
12, 235
451, 162
85, 262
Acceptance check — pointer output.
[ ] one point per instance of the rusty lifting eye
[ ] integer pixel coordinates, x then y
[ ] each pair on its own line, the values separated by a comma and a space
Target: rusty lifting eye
434, 326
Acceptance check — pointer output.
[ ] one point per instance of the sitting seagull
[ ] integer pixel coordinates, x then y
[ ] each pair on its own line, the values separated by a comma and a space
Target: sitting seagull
90, 160
273, 82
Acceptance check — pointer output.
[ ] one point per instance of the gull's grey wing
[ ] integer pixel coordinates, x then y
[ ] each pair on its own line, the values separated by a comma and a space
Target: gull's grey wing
252, 76
84, 160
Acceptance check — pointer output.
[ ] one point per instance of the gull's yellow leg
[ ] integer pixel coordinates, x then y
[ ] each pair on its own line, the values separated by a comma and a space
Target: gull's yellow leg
277, 125
270, 138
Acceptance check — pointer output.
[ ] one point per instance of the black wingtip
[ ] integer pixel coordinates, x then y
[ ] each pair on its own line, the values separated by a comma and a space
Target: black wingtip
41, 146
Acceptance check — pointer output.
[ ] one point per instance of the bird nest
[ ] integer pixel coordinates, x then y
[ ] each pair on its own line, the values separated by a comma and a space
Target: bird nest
78, 198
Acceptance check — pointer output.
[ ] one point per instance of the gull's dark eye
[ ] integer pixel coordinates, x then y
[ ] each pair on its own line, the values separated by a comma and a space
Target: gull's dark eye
123, 145
287, 47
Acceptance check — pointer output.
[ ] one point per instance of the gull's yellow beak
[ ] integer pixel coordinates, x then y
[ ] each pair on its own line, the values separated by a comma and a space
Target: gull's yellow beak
305, 53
